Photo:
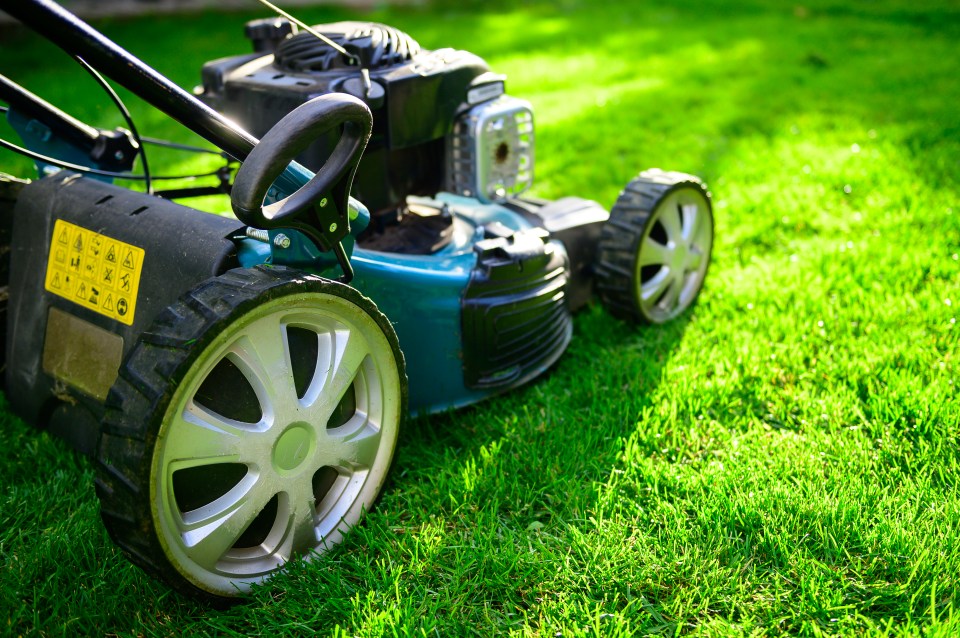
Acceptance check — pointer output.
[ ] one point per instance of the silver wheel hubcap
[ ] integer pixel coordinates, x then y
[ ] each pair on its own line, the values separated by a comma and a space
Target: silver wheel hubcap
674, 254
235, 498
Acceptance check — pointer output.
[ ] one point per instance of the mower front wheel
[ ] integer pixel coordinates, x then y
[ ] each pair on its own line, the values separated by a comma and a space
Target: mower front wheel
252, 424
654, 251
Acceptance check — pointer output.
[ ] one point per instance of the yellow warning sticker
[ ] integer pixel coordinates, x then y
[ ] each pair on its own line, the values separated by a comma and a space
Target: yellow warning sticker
94, 271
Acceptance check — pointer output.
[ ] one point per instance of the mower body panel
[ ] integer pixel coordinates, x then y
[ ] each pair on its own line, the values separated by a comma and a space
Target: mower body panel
465, 316
448, 310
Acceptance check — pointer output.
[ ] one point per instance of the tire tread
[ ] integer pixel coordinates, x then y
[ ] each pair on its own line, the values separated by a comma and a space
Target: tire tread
147, 381
621, 235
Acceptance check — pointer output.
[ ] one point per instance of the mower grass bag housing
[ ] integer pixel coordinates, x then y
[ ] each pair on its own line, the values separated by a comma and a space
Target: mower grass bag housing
109, 260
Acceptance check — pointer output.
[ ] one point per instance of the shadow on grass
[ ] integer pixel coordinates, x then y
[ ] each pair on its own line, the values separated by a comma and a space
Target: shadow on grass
465, 477
485, 503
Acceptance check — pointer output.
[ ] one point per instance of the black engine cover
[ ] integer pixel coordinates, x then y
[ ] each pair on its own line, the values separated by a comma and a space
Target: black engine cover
415, 96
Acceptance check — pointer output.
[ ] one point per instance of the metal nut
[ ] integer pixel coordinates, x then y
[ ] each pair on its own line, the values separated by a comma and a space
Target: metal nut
281, 241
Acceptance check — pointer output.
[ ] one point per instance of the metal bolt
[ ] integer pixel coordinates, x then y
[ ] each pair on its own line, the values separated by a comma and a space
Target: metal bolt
118, 156
281, 241
258, 234
323, 202
333, 227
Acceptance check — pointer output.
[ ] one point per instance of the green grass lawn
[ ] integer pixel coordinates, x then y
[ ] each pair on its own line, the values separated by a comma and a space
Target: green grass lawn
784, 459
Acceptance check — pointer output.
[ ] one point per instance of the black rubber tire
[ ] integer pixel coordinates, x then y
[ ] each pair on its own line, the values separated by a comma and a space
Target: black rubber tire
616, 271
150, 375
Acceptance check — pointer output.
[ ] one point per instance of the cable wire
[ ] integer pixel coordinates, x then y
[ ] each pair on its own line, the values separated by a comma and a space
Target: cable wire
306, 27
126, 116
184, 147
38, 157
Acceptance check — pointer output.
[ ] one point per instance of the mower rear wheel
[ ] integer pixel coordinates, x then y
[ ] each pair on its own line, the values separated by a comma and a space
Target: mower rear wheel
254, 423
654, 251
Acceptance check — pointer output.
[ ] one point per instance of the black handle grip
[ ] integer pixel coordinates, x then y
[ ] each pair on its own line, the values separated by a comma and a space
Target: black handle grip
288, 138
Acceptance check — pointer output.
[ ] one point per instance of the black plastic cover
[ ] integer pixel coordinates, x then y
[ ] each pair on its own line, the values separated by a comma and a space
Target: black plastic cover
516, 321
267, 33
576, 223
182, 248
415, 97
375, 45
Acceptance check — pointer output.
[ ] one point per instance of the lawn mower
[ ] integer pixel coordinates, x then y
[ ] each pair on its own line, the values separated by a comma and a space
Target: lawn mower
240, 381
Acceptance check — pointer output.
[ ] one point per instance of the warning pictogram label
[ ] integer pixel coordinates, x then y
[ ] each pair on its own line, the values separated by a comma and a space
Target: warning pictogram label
94, 271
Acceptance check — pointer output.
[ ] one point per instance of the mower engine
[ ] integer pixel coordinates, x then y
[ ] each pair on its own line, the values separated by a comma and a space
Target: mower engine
449, 156
442, 121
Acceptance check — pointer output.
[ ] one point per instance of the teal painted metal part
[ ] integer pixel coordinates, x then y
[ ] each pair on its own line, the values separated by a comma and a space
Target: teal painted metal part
301, 252
38, 137
421, 296
251, 252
